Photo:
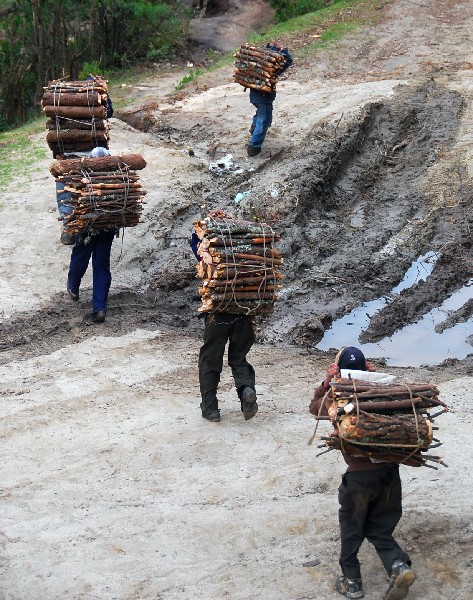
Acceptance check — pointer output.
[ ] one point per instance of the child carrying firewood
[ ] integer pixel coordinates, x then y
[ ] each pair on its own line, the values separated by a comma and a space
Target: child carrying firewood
370, 498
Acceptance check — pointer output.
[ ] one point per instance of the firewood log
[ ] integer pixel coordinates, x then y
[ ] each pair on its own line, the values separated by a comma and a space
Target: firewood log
76, 112
73, 135
68, 99
215, 283
224, 252
407, 456
235, 240
81, 85
66, 147
256, 85
249, 307
78, 165
386, 430
374, 406
69, 123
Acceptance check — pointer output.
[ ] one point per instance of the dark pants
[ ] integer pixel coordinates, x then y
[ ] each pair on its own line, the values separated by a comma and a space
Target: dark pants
370, 507
220, 328
99, 247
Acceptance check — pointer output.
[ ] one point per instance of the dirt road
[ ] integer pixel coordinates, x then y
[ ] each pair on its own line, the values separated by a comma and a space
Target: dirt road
113, 486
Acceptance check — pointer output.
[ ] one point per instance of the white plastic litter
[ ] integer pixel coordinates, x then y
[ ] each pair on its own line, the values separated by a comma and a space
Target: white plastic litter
371, 376
225, 165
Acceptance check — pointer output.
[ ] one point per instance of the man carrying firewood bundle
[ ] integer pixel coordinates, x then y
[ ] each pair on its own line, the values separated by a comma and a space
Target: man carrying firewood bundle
239, 331
370, 498
98, 245
251, 61
61, 104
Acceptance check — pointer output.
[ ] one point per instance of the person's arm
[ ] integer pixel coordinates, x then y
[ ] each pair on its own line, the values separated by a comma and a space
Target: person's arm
109, 108
194, 242
319, 394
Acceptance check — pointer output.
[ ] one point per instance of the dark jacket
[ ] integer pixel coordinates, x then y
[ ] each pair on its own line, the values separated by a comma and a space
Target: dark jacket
109, 108
258, 97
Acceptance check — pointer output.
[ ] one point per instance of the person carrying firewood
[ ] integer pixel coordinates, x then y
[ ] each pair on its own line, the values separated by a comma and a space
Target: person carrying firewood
98, 245
63, 197
239, 331
263, 102
370, 498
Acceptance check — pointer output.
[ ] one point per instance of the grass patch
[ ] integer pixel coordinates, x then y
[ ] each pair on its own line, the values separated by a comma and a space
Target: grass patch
19, 151
330, 24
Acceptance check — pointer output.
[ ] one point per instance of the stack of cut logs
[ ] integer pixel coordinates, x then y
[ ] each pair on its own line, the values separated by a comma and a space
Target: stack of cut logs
105, 192
77, 112
239, 270
258, 68
387, 422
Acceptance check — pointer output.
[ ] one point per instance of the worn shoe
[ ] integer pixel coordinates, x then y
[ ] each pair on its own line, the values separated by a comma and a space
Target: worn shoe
98, 316
72, 295
249, 405
402, 577
67, 238
351, 588
252, 150
213, 416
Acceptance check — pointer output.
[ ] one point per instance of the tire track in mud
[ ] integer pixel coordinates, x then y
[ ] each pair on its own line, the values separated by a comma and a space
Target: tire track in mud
356, 212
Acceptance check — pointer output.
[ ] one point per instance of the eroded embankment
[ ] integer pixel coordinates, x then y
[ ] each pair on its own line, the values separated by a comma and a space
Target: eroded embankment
357, 208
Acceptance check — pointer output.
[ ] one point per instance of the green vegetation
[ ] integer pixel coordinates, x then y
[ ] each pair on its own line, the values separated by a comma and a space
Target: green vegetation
18, 151
193, 74
41, 40
331, 23
288, 9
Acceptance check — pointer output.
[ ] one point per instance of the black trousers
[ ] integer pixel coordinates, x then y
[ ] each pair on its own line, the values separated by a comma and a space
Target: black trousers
370, 507
221, 328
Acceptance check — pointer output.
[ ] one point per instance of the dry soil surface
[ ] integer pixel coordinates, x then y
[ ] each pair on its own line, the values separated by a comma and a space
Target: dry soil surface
113, 486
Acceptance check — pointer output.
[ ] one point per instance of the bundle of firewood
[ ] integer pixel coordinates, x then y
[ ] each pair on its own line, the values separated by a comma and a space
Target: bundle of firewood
258, 68
387, 422
77, 112
239, 270
105, 192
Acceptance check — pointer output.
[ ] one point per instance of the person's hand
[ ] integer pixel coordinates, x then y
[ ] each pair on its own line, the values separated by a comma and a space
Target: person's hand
332, 372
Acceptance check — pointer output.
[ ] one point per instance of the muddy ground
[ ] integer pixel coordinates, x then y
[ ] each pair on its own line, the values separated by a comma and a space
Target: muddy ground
113, 486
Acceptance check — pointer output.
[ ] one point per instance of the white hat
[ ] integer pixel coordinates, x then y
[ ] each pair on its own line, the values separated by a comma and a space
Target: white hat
99, 152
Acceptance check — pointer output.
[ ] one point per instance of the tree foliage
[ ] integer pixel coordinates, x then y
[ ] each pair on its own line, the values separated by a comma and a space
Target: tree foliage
41, 40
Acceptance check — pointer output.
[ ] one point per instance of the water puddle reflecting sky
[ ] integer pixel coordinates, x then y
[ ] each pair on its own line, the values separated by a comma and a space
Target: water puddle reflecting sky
416, 344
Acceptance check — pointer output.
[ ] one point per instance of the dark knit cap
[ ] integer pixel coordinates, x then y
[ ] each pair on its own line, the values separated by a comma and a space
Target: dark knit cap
352, 358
